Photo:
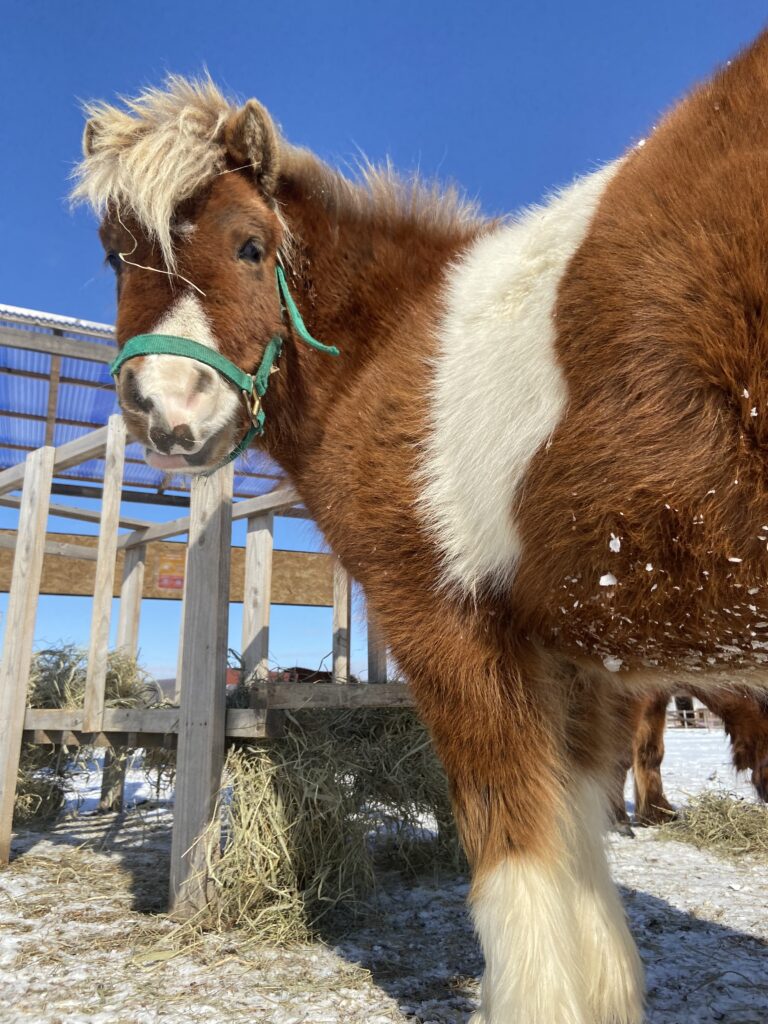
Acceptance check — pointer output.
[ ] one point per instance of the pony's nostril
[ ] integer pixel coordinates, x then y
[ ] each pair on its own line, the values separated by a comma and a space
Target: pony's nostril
180, 437
161, 439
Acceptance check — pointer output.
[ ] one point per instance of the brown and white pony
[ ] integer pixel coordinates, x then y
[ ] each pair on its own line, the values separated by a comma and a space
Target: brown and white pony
542, 451
745, 719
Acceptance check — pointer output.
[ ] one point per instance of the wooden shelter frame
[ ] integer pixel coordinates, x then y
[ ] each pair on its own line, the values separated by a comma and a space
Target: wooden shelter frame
201, 725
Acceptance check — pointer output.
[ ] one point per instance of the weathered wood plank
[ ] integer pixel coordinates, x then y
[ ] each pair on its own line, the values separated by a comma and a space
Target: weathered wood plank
298, 577
282, 497
88, 515
14, 337
89, 446
377, 653
257, 595
130, 599
116, 759
19, 630
273, 501
342, 618
98, 645
52, 547
53, 398
295, 696
200, 753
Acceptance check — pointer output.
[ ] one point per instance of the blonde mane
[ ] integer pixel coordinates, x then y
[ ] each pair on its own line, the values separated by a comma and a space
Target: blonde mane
146, 158
160, 147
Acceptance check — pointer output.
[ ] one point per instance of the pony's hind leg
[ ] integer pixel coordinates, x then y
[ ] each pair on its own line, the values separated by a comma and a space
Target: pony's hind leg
556, 945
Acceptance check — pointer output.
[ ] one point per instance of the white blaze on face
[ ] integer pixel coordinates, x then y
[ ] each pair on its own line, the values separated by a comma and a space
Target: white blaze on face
498, 392
184, 391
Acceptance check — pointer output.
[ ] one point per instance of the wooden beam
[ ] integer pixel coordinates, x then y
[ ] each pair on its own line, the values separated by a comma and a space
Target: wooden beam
341, 623
295, 696
239, 721
53, 398
130, 600
89, 446
98, 646
200, 753
88, 515
36, 417
271, 502
35, 341
71, 454
377, 653
133, 726
50, 547
34, 375
20, 630
257, 595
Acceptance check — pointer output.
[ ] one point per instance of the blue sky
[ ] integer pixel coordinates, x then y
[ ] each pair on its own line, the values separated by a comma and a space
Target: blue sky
507, 99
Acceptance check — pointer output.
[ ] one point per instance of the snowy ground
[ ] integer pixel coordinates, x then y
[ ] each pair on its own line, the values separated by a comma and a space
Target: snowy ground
78, 926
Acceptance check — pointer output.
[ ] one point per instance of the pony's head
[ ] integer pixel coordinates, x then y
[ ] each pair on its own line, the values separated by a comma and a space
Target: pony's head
184, 182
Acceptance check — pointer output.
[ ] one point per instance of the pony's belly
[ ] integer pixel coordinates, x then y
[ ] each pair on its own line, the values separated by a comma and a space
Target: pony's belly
674, 628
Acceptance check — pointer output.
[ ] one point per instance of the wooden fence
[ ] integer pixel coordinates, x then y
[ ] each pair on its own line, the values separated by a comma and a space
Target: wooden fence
200, 726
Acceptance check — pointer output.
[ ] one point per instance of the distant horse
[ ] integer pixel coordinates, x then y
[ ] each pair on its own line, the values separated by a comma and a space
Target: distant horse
745, 719
542, 449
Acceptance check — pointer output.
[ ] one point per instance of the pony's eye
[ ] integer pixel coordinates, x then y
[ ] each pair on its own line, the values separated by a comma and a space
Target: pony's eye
252, 252
113, 259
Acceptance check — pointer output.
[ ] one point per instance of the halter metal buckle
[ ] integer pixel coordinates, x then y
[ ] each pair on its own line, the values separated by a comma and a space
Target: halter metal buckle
253, 405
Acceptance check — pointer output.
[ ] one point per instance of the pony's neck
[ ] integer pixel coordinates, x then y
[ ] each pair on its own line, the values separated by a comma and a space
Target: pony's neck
362, 260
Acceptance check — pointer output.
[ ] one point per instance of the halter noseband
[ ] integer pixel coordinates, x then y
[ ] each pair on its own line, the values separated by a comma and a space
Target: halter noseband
252, 386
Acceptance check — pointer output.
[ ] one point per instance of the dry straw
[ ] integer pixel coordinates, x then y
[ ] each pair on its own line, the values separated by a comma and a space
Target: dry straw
308, 818
57, 680
722, 823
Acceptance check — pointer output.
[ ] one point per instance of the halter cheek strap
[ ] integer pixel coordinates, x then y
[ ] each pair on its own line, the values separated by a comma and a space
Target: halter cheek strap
253, 386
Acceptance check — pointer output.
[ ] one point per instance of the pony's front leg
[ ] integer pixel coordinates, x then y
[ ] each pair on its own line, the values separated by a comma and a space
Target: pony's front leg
532, 814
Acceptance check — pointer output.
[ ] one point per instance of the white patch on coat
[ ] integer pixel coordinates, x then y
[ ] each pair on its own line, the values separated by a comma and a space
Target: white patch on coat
610, 961
498, 391
555, 938
171, 382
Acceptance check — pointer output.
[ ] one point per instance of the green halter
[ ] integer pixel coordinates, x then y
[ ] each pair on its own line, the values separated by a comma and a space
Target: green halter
252, 386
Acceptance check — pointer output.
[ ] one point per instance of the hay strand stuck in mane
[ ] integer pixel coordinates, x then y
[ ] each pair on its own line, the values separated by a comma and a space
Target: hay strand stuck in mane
146, 157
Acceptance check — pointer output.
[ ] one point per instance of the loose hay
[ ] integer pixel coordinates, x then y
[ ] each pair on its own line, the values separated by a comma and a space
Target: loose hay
307, 818
57, 680
724, 824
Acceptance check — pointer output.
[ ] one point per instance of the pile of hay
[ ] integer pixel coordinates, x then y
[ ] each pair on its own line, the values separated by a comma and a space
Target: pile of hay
57, 680
308, 816
722, 823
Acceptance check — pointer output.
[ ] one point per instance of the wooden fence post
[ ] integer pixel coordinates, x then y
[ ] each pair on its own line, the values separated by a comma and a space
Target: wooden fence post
98, 645
341, 623
257, 595
257, 599
130, 599
200, 750
377, 654
20, 629
115, 762
180, 652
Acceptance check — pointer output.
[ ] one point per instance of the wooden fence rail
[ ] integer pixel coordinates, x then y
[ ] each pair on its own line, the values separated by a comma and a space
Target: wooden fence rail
201, 725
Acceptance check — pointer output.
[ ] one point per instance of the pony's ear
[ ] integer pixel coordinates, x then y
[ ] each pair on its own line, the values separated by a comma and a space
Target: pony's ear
250, 137
89, 137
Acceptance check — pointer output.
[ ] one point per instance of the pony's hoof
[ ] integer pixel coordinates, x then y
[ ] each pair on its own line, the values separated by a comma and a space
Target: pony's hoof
623, 828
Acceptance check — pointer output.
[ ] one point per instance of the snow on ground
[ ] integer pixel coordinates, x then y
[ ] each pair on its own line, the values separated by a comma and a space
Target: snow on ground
80, 930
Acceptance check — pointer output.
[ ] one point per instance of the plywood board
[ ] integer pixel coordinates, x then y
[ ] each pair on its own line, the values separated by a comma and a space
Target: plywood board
298, 577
